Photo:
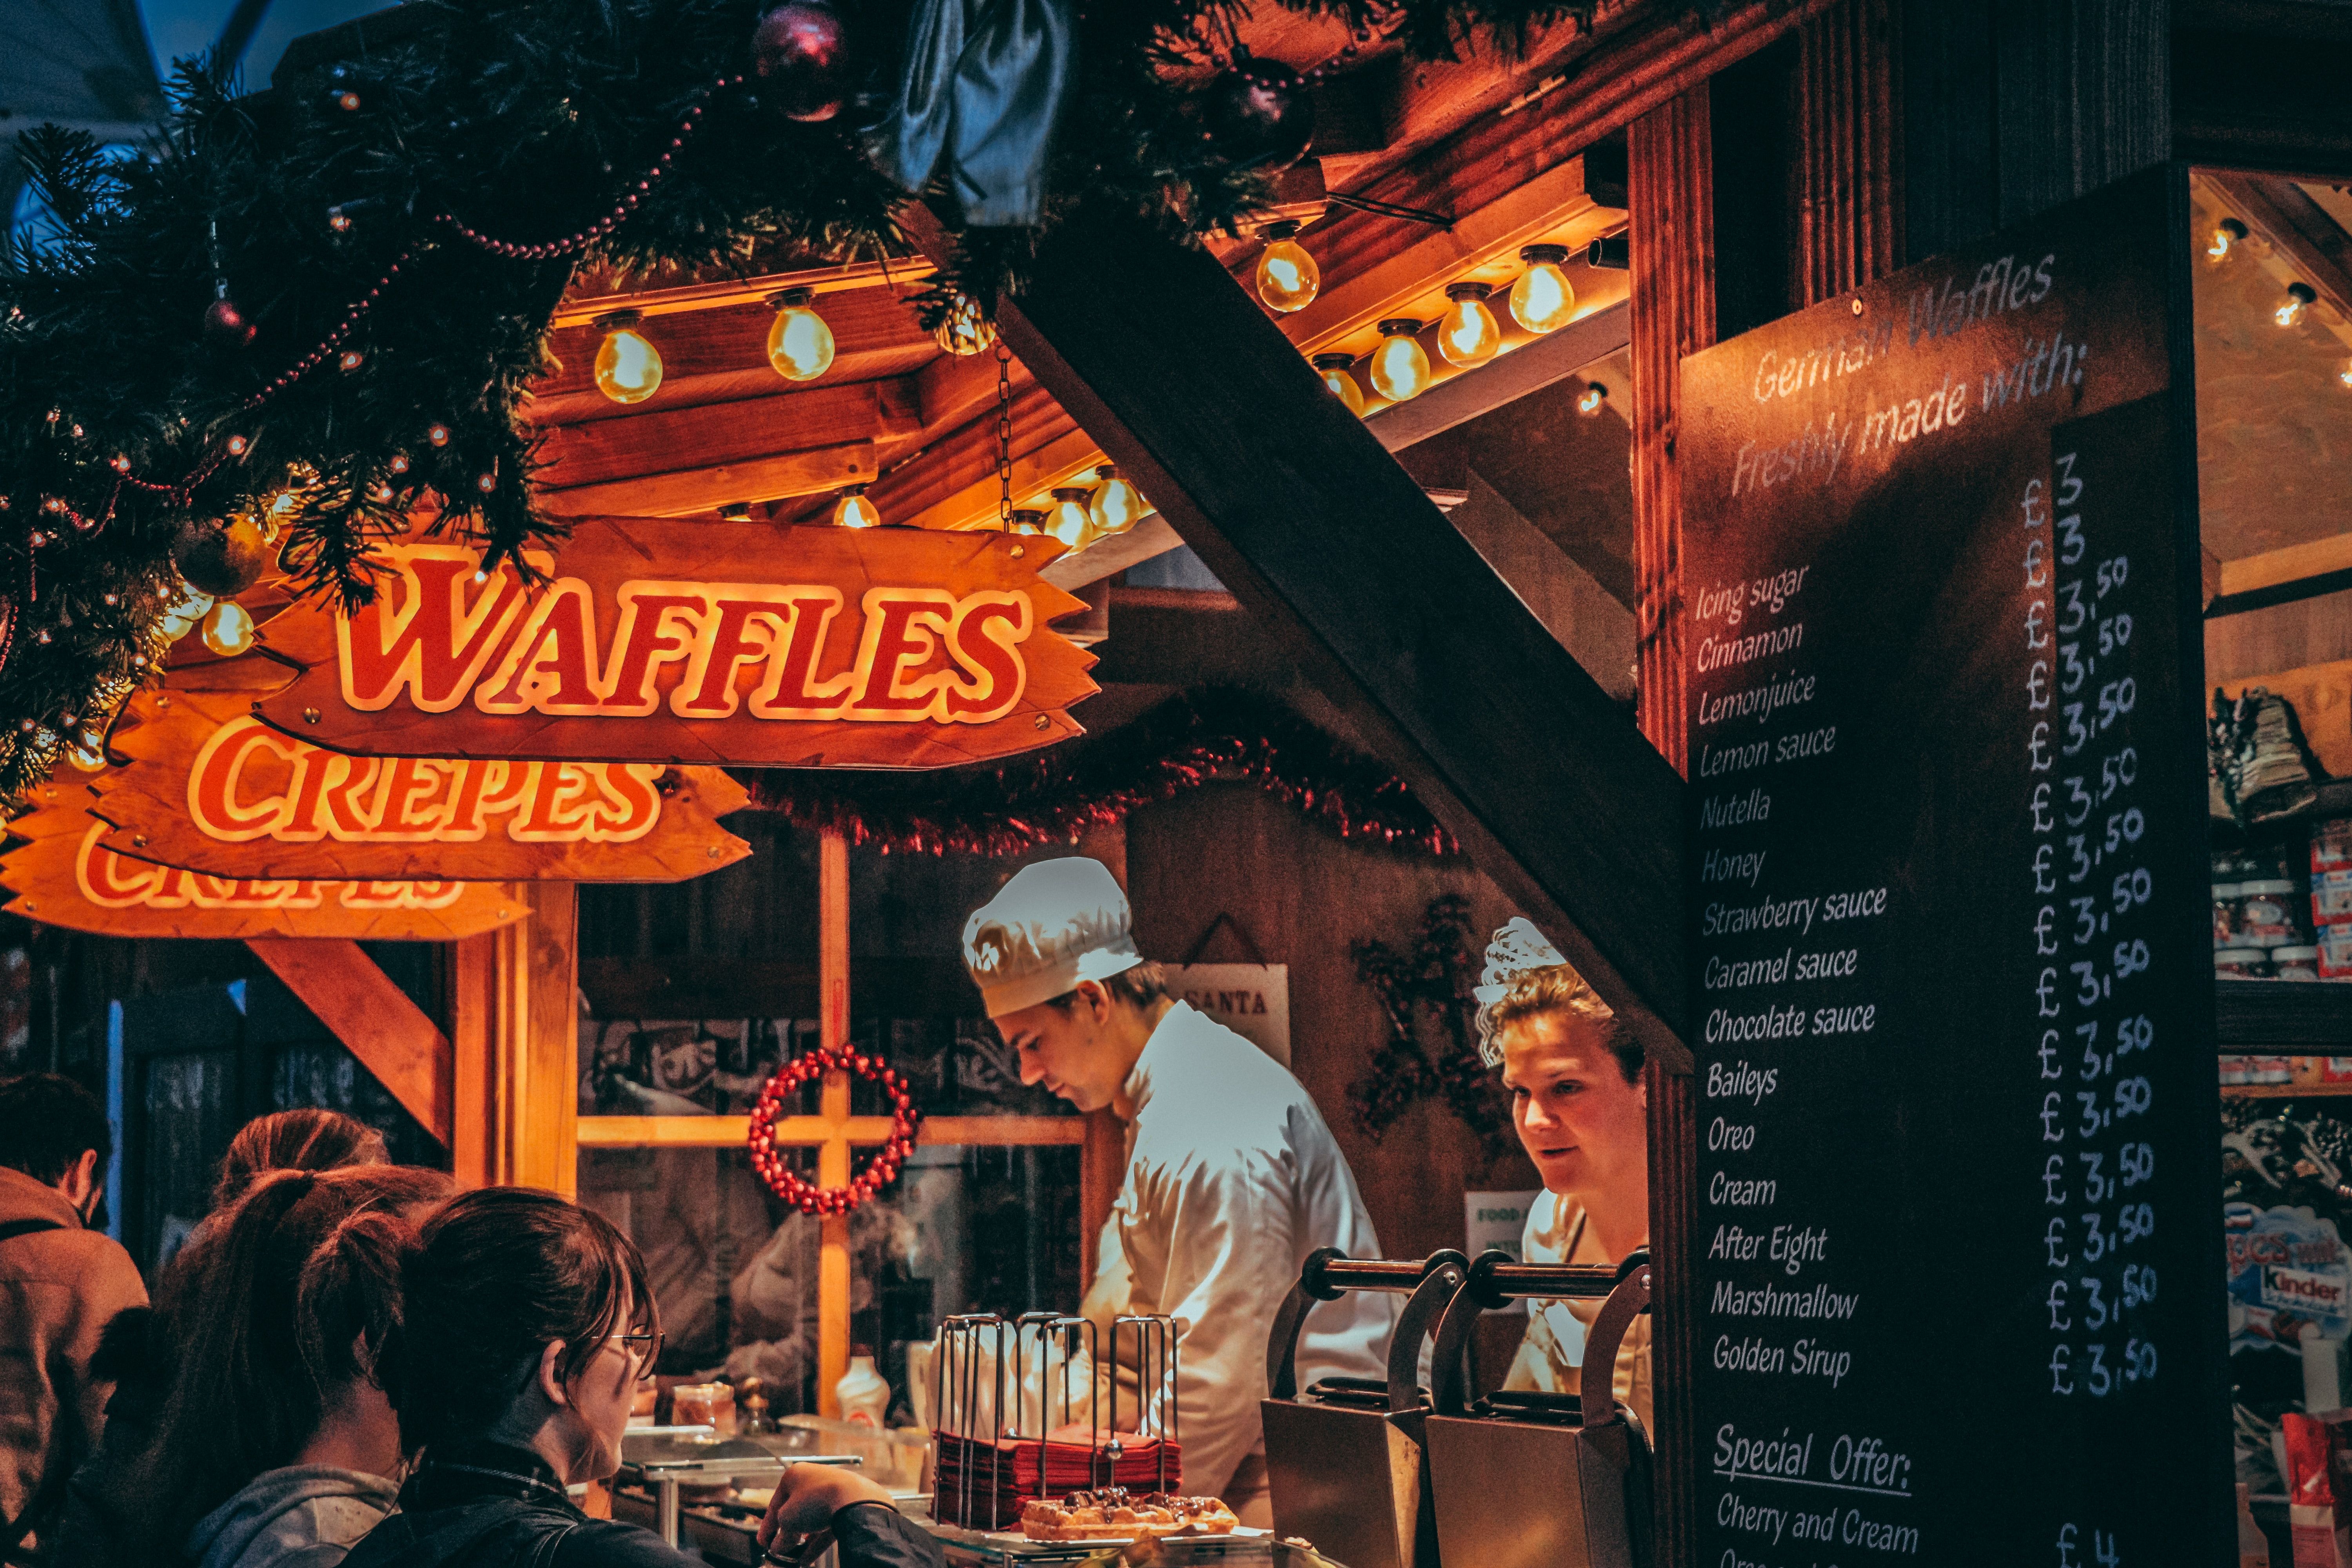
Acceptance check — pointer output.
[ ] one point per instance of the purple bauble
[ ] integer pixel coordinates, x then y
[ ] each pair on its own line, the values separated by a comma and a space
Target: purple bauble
801, 49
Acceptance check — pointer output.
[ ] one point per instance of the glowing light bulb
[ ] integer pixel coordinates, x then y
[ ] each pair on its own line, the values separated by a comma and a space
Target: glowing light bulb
228, 630
87, 754
800, 345
2344, 375
1025, 520
1593, 399
1543, 300
1117, 506
2226, 235
1468, 334
2299, 299
1288, 277
1400, 370
184, 611
628, 366
853, 511
966, 331
1068, 521
1337, 372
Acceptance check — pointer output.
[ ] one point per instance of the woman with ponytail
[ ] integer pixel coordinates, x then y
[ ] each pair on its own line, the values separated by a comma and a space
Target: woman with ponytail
278, 1447
526, 1327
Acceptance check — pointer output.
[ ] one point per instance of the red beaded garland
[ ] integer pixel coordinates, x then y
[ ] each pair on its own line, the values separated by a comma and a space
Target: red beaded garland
880, 1170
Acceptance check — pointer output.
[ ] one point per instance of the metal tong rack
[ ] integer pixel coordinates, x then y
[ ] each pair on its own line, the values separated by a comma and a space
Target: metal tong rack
959, 1383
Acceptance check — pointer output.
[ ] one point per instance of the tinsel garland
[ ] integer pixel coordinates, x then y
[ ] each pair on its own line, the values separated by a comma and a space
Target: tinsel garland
1201, 737
396, 226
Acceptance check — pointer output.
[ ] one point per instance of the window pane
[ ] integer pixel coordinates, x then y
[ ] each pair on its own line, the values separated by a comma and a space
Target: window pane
965, 1228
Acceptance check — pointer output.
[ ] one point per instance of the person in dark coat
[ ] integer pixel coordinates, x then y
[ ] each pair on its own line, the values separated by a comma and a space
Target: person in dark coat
527, 1326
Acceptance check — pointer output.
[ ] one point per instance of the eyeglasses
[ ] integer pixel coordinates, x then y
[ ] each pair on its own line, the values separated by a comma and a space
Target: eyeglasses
651, 1340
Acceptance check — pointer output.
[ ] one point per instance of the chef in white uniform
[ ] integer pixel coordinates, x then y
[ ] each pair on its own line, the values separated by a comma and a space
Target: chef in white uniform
1232, 1176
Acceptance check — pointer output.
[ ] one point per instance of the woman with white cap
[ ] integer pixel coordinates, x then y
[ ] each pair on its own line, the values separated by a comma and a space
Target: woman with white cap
1574, 1074
1232, 1177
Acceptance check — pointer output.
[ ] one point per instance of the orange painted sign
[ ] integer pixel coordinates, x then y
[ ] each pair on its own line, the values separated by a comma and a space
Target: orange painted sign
654, 640
212, 788
61, 875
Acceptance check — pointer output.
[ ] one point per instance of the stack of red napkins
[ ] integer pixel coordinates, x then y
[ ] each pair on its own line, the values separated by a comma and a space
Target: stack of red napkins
981, 1485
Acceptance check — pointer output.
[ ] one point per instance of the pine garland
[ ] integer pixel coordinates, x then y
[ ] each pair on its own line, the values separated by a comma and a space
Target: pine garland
1206, 736
391, 352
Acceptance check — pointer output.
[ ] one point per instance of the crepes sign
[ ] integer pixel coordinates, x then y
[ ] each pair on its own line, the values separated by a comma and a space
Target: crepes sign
62, 874
212, 788
659, 641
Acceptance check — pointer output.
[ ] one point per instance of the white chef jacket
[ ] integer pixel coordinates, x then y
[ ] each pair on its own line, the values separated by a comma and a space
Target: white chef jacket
1233, 1178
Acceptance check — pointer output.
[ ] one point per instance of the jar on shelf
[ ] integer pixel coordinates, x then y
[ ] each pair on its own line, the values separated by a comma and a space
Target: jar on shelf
2241, 963
2294, 964
2267, 916
708, 1405
2225, 914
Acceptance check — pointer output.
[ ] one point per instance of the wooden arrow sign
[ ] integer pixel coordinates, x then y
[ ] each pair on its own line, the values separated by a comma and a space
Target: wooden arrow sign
662, 641
211, 788
62, 875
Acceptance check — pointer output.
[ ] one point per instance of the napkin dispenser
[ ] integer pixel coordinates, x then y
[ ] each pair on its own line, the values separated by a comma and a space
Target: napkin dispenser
1540, 1481
1344, 1457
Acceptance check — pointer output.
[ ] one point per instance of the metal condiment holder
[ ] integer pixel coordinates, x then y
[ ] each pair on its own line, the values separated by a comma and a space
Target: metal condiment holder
1345, 1459
699, 1455
991, 1407
1579, 1464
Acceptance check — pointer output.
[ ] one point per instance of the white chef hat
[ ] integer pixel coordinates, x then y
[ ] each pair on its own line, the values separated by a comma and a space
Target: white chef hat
1516, 950
1054, 924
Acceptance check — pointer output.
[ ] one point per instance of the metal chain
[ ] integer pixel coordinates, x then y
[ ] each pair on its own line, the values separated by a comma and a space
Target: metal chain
1004, 437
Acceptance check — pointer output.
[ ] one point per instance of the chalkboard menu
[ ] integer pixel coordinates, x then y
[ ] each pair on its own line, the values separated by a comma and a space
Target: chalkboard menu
1958, 1231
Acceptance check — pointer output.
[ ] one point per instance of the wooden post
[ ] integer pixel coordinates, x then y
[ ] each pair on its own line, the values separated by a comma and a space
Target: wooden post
833, 1154
514, 1035
1671, 186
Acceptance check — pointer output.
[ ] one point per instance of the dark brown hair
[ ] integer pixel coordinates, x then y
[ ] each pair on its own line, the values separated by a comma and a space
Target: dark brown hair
502, 1273
304, 1140
300, 1292
1138, 985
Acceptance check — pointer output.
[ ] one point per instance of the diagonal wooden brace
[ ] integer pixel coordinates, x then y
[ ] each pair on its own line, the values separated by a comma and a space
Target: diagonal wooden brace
1297, 508
388, 1032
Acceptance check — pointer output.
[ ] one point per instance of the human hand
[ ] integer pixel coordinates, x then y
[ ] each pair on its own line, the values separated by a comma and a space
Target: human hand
808, 1496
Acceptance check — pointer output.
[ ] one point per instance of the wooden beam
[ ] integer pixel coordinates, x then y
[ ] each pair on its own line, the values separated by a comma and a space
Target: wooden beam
1067, 459
692, 490
722, 355
2281, 576
373, 1019
715, 434
579, 309
1150, 538
1296, 508
2308, 241
863, 1131
1537, 364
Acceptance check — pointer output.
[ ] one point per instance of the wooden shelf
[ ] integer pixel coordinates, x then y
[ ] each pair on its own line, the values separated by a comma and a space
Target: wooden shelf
2283, 1016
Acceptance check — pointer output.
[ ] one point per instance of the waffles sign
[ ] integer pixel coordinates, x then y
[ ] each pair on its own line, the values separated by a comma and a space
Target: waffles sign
212, 788
676, 642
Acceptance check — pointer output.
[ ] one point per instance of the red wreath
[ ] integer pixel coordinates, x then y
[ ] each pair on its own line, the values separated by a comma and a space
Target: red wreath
880, 1170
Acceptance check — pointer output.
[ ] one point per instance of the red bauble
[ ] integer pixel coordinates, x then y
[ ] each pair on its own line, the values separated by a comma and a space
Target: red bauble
225, 323
801, 50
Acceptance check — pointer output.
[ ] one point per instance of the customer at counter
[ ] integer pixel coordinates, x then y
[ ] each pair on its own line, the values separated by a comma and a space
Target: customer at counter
1574, 1074
1232, 1176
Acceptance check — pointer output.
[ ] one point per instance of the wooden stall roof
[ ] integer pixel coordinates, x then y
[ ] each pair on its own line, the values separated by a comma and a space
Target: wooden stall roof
918, 425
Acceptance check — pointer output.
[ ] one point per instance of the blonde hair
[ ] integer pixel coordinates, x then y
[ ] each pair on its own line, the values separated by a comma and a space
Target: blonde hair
1556, 989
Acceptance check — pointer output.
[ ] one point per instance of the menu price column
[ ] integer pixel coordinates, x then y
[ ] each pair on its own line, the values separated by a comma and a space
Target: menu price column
2091, 935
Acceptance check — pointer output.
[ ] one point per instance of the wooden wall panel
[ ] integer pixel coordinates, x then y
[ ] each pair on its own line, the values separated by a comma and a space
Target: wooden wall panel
1304, 896
1671, 185
1849, 169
